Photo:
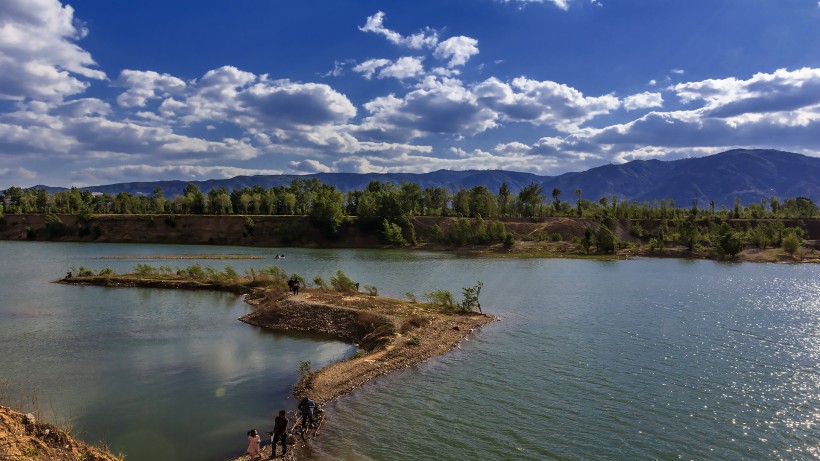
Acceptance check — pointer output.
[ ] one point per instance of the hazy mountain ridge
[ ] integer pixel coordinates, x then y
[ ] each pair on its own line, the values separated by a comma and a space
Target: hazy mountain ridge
750, 175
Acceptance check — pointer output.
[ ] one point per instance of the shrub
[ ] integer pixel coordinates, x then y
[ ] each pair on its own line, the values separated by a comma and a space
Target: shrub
791, 243
194, 271
371, 290
320, 282
413, 340
274, 272
411, 297
106, 272
304, 369
341, 282
509, 240
231, 273
440, 298
250, 226
144, 270
55, 226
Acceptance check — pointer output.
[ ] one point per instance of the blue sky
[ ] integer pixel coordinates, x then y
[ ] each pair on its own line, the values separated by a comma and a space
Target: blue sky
96, 92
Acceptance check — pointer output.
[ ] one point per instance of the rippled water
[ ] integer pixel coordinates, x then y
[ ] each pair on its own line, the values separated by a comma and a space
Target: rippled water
643, 359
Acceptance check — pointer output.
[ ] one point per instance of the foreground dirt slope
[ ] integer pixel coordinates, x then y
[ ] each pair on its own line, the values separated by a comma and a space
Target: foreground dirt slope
23, 438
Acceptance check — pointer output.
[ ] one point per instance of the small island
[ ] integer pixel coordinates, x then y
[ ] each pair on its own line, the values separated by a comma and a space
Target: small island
390, 334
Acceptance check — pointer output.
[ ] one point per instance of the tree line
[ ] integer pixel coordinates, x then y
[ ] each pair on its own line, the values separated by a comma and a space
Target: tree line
387, 209
387, 200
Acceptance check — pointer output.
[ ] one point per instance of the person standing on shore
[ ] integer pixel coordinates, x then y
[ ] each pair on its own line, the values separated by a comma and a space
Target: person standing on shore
254, 444
280, 432
306, 406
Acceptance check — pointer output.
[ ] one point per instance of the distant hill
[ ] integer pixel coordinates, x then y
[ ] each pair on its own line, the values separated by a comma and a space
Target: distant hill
748, 174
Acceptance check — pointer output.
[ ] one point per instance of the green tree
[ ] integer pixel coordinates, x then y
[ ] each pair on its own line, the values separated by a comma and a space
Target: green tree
730, 242
606, 240
504, 199
326, 213
530, 198
470, 301
392, 233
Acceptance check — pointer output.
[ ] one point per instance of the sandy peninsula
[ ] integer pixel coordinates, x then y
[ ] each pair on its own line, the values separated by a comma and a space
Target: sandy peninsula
391, 335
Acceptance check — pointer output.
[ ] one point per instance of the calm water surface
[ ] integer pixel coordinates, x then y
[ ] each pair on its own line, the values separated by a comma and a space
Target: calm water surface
643, 359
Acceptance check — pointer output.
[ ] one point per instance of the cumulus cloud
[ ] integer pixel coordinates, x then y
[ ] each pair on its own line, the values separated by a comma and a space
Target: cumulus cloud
142, 86
440, 106
643, 101
423, 39
457, 50
309, 166
405, 67
542, 102
782, 90
38, 54
230, 95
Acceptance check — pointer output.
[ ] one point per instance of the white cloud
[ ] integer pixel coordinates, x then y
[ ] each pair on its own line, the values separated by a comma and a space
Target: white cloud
440, 106
38, 56
423, 39
357, 165
678, 71
457, 49
142, 172
309, 166
369, 67
562, 4
782, 90
543, 102
230, 95
404, 67
144, 85
643, 101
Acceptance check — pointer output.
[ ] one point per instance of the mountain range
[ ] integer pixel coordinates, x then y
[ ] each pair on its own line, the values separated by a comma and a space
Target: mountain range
747, 174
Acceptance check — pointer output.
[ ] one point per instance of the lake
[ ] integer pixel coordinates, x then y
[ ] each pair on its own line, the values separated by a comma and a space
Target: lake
640, 359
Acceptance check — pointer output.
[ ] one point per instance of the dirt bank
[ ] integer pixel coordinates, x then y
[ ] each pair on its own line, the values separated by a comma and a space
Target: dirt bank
23, 438
537, 238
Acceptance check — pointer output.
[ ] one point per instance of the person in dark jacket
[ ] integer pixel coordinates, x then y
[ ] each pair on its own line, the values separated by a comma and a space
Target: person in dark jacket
280, 432
306, 406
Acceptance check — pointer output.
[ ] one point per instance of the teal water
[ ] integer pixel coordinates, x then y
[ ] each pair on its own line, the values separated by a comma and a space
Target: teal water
642, 359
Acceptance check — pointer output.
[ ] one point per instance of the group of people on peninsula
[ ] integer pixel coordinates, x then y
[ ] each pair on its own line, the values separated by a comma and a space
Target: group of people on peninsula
311, 416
